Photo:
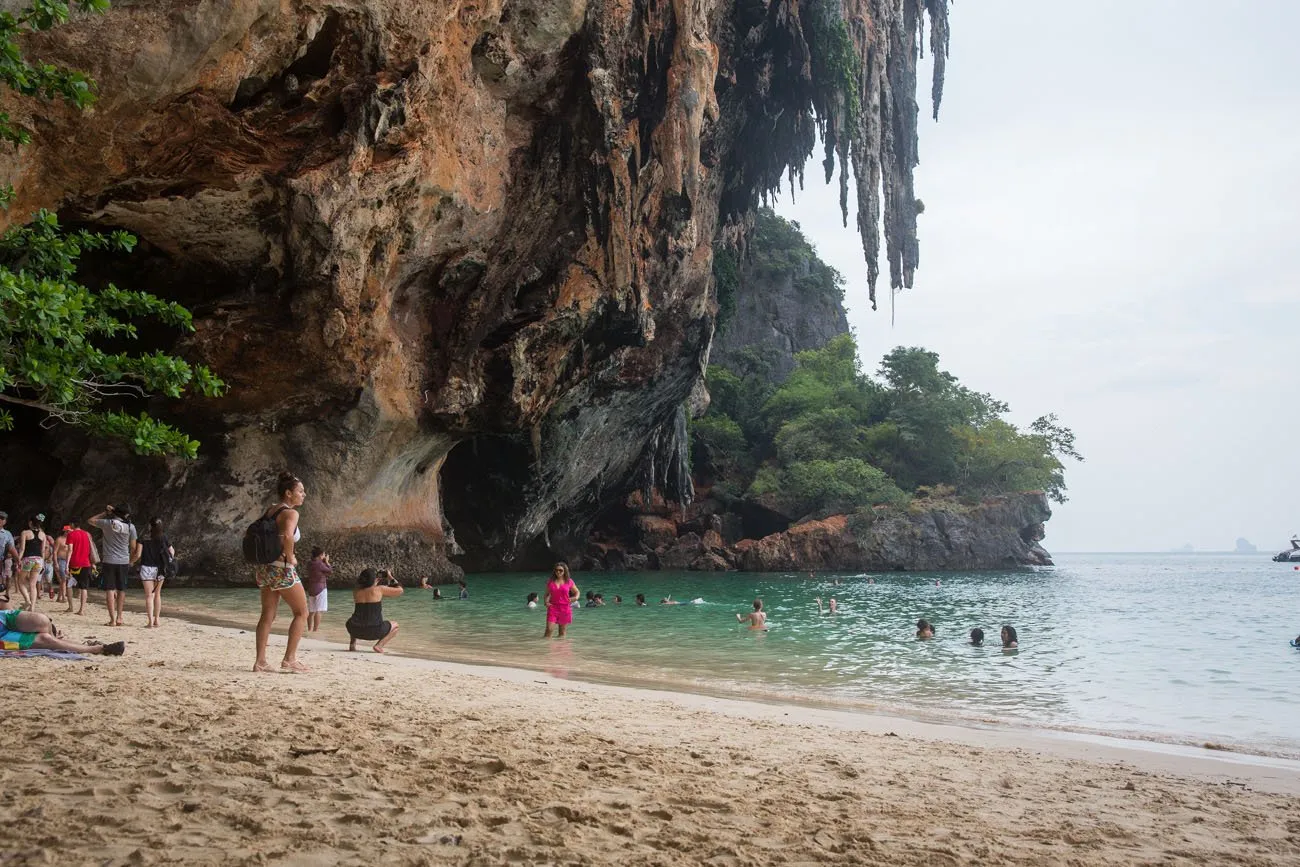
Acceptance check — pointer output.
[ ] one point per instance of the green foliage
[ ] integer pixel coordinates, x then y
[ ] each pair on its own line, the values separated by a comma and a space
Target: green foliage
726, 280
831, 438
53, 330
804, 487
777, 247
836, 67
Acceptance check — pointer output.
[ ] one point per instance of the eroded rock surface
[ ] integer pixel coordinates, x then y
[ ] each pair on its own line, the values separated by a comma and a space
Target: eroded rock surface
435, 241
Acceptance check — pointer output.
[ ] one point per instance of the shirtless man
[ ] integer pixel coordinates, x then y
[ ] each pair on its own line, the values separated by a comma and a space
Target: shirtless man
757, 618
26, 630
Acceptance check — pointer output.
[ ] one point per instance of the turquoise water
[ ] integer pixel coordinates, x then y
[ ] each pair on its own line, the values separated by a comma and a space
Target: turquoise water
1185, 648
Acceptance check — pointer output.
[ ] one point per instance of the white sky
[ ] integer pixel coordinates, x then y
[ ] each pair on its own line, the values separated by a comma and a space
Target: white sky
1112, 233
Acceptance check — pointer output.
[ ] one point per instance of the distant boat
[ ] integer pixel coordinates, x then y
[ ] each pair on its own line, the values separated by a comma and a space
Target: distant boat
1291, 555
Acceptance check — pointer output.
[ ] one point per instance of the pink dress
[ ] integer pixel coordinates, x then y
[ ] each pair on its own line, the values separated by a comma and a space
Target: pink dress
559, 610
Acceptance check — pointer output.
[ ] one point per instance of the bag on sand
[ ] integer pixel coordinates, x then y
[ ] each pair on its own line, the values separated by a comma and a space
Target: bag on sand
262, 538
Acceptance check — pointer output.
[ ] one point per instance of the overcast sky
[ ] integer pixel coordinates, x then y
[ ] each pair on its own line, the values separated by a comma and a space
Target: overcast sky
1112, 233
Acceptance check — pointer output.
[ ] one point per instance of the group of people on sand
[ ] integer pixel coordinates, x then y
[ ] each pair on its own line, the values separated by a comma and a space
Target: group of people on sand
61, 567
1010, 640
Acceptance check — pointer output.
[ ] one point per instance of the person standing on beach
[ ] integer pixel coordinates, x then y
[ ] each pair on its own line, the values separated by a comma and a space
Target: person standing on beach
317, 587
561, 591
81, 556
121, 548
9, 564
757, 618
61, 554
155, 554
35, 546
279, 579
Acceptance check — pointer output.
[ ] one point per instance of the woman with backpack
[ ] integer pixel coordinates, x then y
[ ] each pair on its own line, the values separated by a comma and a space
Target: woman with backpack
155, 556
278, 579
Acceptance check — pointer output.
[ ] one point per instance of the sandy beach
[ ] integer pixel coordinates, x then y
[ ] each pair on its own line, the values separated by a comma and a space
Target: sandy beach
176, 753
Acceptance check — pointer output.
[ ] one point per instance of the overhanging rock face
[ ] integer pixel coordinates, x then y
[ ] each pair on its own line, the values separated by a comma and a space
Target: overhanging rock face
409, 226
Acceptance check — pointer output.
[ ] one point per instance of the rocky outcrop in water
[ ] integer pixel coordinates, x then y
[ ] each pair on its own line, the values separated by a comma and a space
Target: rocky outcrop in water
999, 533
453, 259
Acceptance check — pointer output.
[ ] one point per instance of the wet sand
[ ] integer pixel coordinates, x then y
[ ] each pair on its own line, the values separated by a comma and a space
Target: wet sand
193, 759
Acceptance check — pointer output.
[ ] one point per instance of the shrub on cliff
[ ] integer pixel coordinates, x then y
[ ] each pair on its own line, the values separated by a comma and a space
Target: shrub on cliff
830, 437
60, 341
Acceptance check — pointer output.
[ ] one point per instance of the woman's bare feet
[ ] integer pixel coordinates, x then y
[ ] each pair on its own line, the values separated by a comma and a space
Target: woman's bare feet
263, 668
379, 649
294, 667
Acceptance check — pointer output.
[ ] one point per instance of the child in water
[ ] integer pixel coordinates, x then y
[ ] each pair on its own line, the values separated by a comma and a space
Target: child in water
532, 600
924, 629
757, 618
977, 637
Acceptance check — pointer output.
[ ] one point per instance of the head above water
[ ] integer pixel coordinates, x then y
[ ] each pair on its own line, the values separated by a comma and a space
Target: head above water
977, 636
640, 599
758, 604
532, 597
924, 626
367, 578
1009, 635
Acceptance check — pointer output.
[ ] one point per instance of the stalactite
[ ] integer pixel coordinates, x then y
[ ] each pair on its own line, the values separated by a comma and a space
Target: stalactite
867, 114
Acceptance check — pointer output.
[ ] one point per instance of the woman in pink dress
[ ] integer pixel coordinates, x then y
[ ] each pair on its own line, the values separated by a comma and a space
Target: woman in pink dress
560, 593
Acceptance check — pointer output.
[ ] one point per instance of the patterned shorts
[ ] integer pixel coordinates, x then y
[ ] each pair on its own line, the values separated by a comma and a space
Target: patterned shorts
275, 576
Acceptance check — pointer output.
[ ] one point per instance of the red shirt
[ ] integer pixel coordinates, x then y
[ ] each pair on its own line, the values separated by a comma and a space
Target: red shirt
79, 542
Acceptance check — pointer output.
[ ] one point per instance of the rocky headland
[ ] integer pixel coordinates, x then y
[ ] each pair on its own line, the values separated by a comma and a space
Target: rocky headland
455, 261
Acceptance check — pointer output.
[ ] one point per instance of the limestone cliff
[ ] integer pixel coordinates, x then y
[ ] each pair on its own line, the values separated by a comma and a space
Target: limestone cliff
454, 259
782, 305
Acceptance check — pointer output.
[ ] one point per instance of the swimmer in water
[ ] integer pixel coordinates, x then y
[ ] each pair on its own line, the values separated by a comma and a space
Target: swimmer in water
977, 637
831, 608
532, 600
640, 599
924, 629
1009, 638
757, 618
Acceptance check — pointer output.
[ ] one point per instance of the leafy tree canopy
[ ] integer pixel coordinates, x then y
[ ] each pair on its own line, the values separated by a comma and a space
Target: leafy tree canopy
832, 438
59, 339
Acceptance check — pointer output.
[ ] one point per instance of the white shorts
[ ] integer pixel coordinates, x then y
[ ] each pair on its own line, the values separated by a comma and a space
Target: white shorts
149, 573
319, 603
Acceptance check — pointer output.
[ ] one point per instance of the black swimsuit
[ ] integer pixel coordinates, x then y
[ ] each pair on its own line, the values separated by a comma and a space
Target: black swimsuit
367, 622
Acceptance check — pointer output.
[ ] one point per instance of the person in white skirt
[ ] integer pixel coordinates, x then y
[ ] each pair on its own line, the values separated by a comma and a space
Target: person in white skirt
317, 587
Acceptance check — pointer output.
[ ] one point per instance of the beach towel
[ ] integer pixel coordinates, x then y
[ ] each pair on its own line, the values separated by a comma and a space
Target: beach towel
51, 654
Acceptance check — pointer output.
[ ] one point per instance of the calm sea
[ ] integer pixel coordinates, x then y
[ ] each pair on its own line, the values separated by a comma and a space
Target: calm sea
1175, 647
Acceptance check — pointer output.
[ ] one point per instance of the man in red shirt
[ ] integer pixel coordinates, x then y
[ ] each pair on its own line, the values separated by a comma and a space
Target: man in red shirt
80, 561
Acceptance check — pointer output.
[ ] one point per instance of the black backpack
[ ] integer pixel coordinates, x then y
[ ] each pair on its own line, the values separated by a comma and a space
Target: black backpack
262, 538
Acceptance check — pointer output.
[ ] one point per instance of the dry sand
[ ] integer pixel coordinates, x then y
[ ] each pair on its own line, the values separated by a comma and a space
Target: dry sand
176, 753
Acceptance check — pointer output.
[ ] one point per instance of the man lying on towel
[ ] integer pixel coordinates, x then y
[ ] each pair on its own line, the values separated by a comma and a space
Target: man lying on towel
29, 630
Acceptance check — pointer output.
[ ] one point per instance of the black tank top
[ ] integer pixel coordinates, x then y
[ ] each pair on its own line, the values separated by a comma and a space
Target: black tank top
367, 614
35, 546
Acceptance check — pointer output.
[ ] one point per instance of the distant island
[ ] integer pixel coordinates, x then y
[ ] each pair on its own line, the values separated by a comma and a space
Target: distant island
1244, 547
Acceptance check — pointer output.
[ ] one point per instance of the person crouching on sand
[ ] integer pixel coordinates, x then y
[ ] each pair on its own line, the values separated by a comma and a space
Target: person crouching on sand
757, 618
560, 594
28, 630
924, 629
367, 622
